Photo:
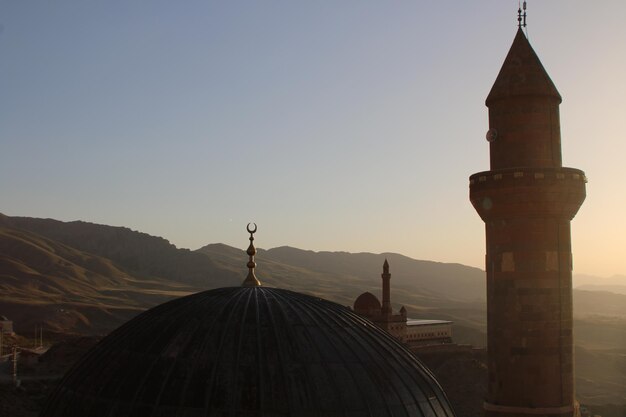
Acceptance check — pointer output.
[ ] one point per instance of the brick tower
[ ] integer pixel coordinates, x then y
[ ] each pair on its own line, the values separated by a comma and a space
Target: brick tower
527, 201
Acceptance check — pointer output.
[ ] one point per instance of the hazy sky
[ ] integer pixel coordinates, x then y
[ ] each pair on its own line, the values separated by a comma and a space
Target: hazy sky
335, 125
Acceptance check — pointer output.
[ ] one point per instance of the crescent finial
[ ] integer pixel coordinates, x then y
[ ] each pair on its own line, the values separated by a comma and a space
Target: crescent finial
251, 280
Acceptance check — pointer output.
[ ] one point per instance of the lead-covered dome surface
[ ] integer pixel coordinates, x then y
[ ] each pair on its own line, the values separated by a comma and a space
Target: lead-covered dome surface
248, 352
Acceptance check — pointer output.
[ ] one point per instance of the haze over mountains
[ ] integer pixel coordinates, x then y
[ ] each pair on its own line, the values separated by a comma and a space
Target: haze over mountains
91, 268
88, 269
79, 277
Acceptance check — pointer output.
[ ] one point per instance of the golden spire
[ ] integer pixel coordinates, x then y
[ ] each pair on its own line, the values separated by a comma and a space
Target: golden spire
251, 280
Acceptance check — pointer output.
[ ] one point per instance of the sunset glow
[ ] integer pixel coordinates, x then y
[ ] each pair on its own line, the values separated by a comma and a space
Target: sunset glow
339, 126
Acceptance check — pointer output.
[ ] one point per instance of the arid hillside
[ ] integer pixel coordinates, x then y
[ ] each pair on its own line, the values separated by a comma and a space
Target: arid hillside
83, 278
44, 282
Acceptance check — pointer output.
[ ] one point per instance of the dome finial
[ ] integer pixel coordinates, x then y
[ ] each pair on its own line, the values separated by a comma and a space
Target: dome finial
521, 17
251, 280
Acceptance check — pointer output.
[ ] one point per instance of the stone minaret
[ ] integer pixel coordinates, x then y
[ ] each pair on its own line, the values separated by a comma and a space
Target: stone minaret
527, 201
386, 276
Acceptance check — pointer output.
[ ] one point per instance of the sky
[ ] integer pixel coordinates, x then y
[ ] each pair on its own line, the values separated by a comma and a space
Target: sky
346, 125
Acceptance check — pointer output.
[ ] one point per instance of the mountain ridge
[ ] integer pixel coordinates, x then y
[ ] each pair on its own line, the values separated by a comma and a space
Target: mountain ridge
80, 277
135, 270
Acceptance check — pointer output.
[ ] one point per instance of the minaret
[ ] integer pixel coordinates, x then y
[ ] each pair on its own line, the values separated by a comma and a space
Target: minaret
386, 276
527, 201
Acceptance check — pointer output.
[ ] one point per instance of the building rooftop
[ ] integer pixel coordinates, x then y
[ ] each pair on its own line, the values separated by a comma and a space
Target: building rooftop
417, 322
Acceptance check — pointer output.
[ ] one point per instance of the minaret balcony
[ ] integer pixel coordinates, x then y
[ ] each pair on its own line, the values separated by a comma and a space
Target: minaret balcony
528, 192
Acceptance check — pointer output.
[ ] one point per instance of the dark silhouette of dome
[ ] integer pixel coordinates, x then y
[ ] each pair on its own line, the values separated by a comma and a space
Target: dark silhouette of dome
248, 351
367, 304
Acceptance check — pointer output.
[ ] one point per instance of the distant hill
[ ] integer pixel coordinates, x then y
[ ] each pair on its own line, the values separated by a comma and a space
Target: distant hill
347, 274
46, 261
88, 278
47, 282
585, 280
427, 289
599, 303
138, 252
616, 289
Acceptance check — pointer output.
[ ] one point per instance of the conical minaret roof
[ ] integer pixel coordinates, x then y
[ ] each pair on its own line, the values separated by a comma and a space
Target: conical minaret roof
522, 74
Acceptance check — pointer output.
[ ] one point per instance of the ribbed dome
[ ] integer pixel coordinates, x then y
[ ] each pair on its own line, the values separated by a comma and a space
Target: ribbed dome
248, 352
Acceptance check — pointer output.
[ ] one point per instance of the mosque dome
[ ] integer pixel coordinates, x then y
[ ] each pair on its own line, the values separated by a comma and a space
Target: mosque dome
248, 351
367, 304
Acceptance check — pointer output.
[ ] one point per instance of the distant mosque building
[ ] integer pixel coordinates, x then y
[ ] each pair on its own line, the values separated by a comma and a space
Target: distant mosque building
409, 331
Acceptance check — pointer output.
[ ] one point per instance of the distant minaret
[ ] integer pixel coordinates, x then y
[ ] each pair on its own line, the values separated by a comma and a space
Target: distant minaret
527, 201
386, 276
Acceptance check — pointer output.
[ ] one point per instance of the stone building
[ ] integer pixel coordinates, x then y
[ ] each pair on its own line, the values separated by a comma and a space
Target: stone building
527, 200
412, 332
